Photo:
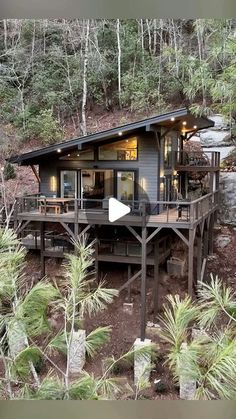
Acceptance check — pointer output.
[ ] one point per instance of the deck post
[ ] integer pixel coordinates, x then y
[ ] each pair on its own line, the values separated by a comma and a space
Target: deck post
205, 243
199, 258
42, 248
190, 262
129, 286
96, 263
156, 283
143, 276
211, 234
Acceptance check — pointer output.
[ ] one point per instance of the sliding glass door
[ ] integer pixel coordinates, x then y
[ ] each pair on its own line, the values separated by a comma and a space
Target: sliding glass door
70, 183
125, 185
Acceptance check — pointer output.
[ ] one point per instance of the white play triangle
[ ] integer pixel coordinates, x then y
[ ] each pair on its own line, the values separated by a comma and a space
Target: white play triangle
117, 210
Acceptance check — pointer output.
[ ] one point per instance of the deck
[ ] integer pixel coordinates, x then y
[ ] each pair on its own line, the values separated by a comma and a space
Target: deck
192, 213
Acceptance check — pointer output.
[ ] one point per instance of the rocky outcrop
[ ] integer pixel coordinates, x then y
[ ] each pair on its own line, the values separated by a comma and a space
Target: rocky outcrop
217, 136
227, 199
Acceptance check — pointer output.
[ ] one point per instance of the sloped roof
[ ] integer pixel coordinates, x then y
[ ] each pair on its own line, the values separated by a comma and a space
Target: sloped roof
168, 119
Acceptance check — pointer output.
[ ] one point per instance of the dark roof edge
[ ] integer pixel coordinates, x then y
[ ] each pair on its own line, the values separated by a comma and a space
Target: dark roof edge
101, 134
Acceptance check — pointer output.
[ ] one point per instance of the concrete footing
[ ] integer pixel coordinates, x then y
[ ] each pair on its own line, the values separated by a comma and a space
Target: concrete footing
142, 363
187, 387
77, 352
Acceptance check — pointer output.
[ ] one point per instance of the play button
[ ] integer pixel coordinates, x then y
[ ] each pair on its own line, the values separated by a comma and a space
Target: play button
116, 210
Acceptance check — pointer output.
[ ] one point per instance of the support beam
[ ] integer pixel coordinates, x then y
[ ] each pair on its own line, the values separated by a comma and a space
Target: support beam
84, 231
67, 228
181, 236
35, 173
156, 280
143, 280
190, 262
211, 234
129, 286
42, 248
154, 233
132, 279
21, 227
199, 258
135, 234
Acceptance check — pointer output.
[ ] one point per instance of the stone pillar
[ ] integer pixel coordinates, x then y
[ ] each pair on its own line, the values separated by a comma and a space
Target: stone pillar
142, 363
187, 387
17, 339
77, 352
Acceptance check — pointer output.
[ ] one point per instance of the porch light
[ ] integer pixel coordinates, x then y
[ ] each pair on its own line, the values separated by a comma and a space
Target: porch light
59, 150
172, 119
184, 123
53, 184
68, 155
120, 133
78, 155
195, 127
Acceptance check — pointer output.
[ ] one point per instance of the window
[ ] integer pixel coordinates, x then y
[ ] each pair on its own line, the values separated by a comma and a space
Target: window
167, 152
69, 183
119, 150
125, 185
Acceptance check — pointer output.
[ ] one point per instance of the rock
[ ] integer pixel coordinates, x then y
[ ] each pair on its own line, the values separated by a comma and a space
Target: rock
212, 138
227, 198
222, 241
220, 122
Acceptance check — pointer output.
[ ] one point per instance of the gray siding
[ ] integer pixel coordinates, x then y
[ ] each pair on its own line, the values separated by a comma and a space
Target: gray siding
146, 165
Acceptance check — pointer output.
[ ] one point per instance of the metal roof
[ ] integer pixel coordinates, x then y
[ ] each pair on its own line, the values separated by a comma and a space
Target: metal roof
159, 120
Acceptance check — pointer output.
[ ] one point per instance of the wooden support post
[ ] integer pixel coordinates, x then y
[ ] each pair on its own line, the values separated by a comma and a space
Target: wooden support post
156, 282
129, 286
190, 262
205, 244
199, 258
211, 234
96, 260
42, 248
143, 278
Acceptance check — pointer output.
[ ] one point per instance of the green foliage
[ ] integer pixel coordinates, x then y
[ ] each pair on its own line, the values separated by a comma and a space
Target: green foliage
96, 339
9, 171
32, 309
209, 358
44, 127
20, 366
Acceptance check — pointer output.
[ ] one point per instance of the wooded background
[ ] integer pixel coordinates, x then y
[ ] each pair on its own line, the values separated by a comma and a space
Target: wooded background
55, 74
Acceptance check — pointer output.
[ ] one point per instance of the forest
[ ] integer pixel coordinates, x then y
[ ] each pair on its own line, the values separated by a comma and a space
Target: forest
57, 77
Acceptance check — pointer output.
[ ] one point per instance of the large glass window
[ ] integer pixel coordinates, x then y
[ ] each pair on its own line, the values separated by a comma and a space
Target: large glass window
119, 150
125, 185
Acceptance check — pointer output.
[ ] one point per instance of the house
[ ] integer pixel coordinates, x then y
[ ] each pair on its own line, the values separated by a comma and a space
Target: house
142, 164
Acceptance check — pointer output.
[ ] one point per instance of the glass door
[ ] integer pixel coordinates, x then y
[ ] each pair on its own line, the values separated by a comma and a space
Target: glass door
69, 183
125, 185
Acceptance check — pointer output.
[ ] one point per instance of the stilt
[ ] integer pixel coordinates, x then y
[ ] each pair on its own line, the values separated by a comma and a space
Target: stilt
143, 279
42, 248
190, 262
96, 261
205, 243
156, 282
211, 234
199, 258
129, 286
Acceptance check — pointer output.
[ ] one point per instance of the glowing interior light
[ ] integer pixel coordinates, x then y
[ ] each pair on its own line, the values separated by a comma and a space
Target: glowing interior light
120, 133
78, 155
184, 123
58, 150
172, 119
195, 126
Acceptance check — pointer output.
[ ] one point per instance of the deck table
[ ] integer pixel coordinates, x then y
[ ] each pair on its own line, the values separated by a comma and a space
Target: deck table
60, 205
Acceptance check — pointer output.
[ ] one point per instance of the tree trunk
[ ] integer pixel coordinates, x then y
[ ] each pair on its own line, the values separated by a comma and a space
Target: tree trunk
84, 99
119, 59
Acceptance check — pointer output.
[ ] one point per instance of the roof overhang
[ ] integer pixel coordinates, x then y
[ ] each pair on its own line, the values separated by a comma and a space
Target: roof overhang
179, 120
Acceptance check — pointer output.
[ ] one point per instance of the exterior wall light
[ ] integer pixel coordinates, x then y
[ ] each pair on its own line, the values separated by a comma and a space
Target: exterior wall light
59, 150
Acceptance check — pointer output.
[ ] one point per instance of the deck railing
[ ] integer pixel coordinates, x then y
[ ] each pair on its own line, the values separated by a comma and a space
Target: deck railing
198, 158
96, 209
